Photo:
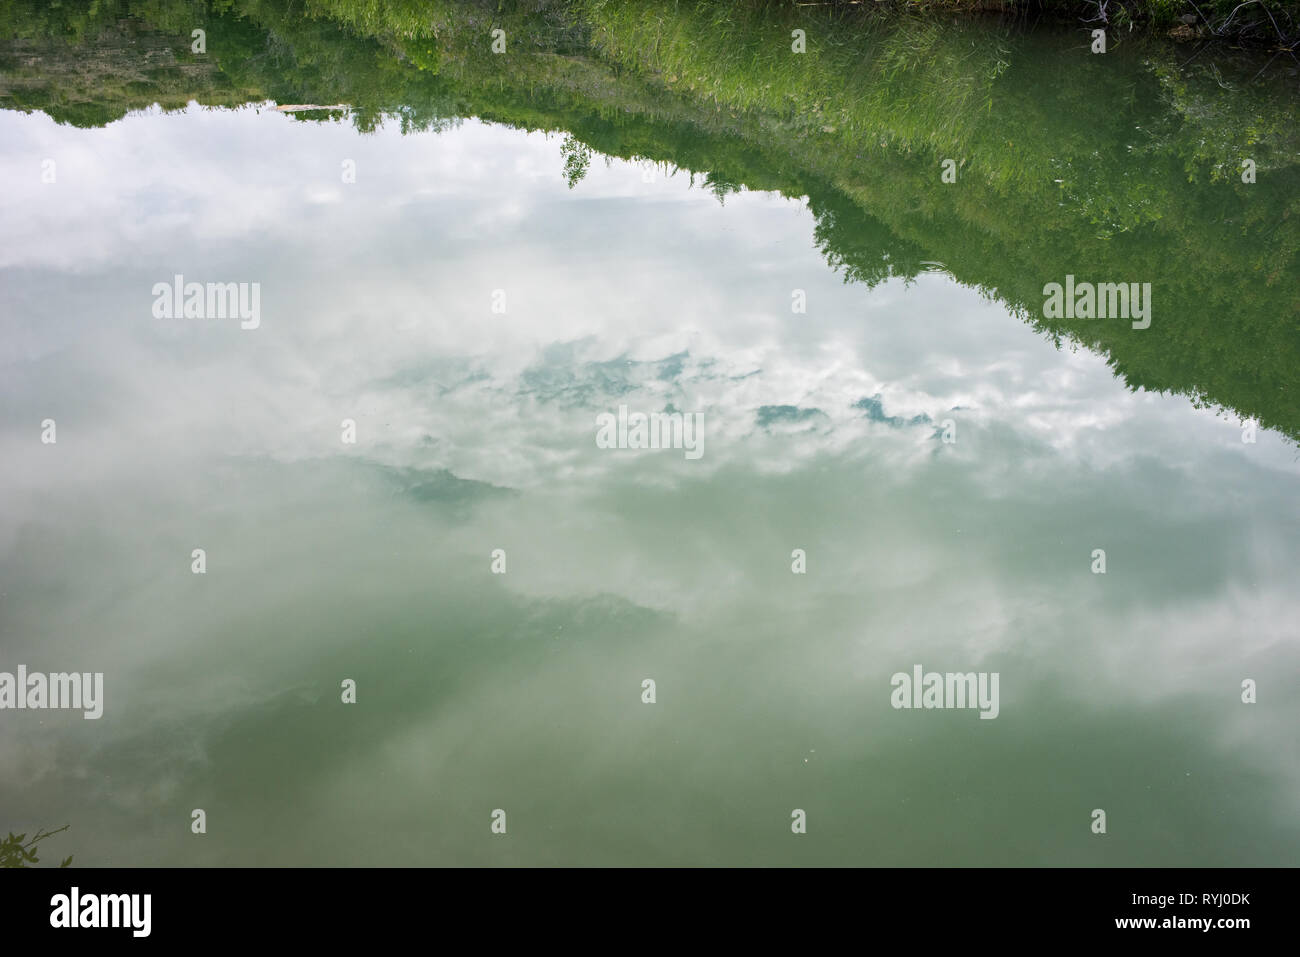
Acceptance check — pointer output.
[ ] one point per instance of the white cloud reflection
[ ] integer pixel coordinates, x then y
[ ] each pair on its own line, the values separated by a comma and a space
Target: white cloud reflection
376, 307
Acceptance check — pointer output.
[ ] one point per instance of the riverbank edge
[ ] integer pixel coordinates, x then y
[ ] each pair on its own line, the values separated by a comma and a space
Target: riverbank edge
1252, 23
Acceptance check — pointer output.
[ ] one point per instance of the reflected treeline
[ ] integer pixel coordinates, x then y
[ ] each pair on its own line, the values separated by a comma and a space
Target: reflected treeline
1122, 167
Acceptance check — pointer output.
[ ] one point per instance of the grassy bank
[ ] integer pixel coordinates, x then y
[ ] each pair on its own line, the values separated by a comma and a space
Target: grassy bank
1264, 21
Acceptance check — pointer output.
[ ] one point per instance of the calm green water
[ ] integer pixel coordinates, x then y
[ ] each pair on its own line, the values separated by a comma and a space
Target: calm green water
534, 239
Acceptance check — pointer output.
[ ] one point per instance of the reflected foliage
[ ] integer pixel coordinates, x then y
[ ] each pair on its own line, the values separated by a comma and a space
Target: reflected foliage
1118, 168
17, 850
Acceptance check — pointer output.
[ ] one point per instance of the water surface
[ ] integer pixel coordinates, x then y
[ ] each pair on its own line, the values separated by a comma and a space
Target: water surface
649, 258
